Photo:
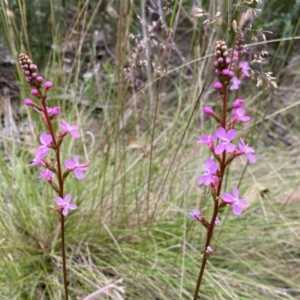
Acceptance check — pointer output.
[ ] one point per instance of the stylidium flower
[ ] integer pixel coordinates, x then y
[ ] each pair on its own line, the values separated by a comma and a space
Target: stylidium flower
235, 84
217, 221
66, 128
46, 140
73, 165
207, 139
39, 154
244, 66
65, 204
47, 174
209, 250
225, 139
245, 149
195, 215
208, 177
239, 114
233, 199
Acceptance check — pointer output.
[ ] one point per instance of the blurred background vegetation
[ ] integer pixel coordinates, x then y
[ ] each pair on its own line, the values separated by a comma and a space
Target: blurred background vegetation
130, 74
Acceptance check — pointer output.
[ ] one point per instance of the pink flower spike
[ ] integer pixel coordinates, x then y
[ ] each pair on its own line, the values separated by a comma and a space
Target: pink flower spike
235, 84
225, 139
208, 110
72, 129
247, 150
65, 204
238, 103
48, 85
239, 114
218, 86
73, 165
211, 169
47, 174
233, 199
195, 215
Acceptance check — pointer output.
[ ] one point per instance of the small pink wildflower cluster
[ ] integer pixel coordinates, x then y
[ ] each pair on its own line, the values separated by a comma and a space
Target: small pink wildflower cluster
50, 140
230, 72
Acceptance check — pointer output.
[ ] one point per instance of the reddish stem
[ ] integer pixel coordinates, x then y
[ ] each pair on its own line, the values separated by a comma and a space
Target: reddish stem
216, 199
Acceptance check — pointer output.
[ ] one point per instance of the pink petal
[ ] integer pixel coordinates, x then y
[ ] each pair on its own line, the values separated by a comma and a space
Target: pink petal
251, 157
79, 174
243, 203
75, 134
230, 148
65, 211
227, 198
72, 206
235, 193
219, 149
70, 164
221, 133
68, 198
59, 201
231, 134
236, 210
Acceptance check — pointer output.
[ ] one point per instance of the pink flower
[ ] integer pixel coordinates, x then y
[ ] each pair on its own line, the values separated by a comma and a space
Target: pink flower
207, 139
239, 114
208, 177
233, 199
195, 215
235, 84
46, 140
53, 111
209, 250
225, 139
47, 174
38, 160
65, 204
73, 165
244, 66
72, 129
245, 149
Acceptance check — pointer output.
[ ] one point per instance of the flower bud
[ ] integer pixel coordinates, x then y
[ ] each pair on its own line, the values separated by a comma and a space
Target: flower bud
218, 86
238, 103
208, 110
48, 85
29, 102
34, 92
